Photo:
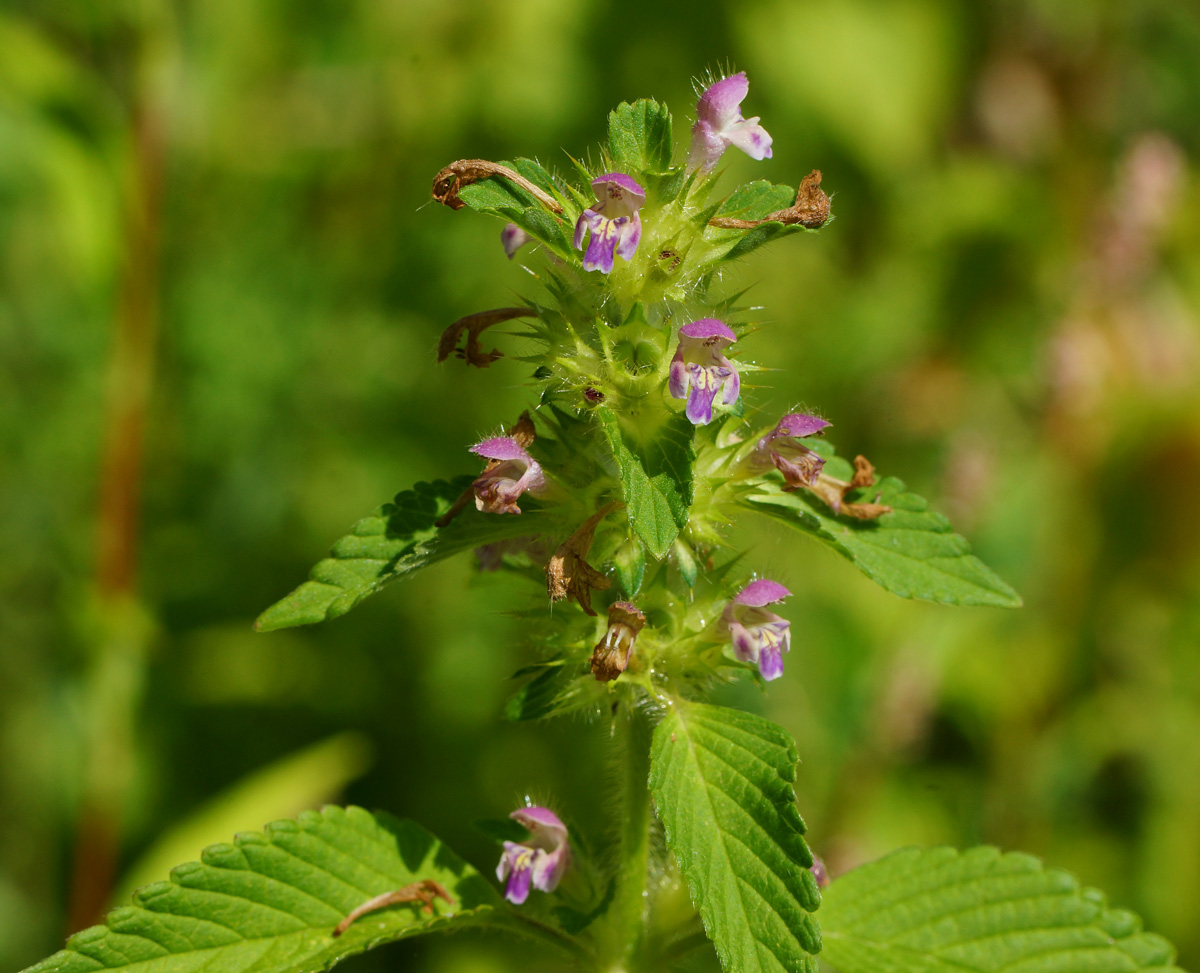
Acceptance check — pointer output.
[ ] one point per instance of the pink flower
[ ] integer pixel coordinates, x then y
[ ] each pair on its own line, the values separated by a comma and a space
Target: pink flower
539, 862
613, 220
719, 124
782, 449
512, 472
512, 238
759, 636
700, 366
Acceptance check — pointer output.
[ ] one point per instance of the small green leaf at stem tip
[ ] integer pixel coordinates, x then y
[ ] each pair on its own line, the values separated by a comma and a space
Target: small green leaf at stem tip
639, 137
399, 538
270, 902
913, 552
722, 783
939, 910
656, 477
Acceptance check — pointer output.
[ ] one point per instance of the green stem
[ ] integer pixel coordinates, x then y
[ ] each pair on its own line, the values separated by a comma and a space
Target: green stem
627, 915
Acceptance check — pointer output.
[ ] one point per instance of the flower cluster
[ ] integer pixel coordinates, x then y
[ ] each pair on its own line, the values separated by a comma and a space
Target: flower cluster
628, 209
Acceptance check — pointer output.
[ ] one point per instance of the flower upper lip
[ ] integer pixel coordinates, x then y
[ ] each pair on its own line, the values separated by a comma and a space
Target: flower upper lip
719, 124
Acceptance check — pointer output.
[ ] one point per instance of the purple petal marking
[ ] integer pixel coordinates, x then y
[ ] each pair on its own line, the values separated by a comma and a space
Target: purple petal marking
745, 646
799, 425
733, 386
621, 180
761, 592
587, 219
679, 380
700, 404
630, 235
750, 137
722, 100
517, 890
502, 448
602, 247
708, 328
770, 662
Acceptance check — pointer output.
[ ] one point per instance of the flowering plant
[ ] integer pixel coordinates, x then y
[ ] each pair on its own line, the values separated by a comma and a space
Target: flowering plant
613, 491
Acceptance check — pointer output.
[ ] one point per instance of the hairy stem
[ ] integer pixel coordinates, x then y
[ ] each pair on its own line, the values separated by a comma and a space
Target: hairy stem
627, 915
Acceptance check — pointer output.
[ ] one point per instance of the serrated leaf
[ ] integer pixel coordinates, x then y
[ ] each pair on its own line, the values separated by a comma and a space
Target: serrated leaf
501, 197
639, 137
753, 201
398, 539
912, 552
656, 477
268, 903
978, 911
722, 782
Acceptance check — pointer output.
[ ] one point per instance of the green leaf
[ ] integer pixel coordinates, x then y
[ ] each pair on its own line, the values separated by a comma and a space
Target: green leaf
756, 200
306, 778
753, 201
399, 538
978, 911
268, 903
502, 198
686, 559
557, 688
912, 552
722, 782
639, 136
656, 477
630, 563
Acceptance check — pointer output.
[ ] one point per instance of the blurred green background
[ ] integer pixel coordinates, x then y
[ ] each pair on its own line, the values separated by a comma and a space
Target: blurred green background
220, 294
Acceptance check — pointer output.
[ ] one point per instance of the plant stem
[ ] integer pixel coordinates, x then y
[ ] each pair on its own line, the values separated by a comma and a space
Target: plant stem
627, 915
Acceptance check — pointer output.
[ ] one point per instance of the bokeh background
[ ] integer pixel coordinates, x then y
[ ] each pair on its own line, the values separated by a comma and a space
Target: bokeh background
221, 288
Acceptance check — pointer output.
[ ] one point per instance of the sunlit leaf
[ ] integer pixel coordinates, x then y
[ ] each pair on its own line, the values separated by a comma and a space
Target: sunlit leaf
912, 552
639, 137
978, 911
399, 538
269, 903
722, 782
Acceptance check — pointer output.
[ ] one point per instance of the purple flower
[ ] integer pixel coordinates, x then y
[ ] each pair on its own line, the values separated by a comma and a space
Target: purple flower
614, 221
538, 862
512, 237
759, 636
511, 472
700, 364
719, 124
782, 449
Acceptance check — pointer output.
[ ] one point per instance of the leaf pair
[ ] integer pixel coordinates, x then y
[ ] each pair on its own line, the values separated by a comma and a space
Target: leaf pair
722, 782
269, 903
